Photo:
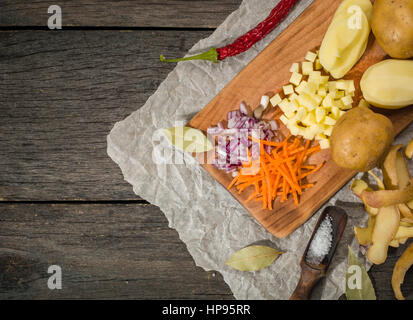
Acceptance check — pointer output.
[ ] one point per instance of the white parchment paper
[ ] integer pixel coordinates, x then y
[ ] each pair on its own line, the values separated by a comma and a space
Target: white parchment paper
211, 223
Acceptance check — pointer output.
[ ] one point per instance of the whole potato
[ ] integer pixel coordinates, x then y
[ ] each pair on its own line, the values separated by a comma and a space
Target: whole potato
392, 24
360, 139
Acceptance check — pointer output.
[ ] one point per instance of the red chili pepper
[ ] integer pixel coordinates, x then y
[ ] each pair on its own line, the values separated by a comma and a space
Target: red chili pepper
246, 41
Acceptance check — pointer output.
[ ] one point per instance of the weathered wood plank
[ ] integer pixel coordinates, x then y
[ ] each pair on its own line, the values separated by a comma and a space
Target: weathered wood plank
114, 251
105, 252
126, 13
60, 95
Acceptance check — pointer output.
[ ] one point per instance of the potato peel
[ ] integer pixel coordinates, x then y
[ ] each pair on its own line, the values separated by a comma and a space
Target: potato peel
402, 170
399, 271
357, 187
386, 198
380, 183
409, 150
385, 228
405, 211
364, 235
389, 168
404, 232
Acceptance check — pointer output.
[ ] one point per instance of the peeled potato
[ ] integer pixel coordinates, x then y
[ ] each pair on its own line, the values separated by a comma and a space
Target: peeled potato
388, 84
385, 228
343, 45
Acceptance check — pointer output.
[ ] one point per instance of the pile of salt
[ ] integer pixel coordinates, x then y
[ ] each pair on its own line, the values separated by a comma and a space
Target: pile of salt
321, 243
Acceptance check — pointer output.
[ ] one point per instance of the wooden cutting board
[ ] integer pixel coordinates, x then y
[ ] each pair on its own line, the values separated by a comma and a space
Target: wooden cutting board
268, 72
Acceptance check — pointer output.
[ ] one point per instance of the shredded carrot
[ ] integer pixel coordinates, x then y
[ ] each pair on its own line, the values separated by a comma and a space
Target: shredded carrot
281, 172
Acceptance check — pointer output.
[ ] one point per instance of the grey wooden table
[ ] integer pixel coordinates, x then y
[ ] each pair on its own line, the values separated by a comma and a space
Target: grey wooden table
62, 200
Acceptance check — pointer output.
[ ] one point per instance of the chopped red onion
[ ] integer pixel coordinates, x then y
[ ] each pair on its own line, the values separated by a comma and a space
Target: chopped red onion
234, 142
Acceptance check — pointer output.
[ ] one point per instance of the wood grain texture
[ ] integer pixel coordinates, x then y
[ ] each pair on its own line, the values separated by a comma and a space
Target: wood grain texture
115, 251
268, 72
60, 94
119, 251
125, 13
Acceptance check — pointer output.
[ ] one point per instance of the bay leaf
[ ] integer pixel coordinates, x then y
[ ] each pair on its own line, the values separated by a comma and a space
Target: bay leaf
188, 139
358, 283
253, 258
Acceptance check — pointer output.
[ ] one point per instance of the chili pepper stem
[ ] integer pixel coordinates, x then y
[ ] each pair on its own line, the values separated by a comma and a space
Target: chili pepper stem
210, 55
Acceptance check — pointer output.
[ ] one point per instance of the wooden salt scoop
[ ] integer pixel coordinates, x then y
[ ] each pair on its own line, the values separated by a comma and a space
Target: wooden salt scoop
311, 274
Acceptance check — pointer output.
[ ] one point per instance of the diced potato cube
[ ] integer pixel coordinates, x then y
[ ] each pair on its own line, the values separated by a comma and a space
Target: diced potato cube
285, 106
327, 101
311, 88
315, 76
295, 67
295, 104
293, 107
350, 86
324, 79
322, 92
275, 100
284, 119
335, 111
331, 85
329, 121
318, 65
324, 143
288, 89
321, 136
320, 114
316, 129
296, 78
293, 97
294, 129
341, 85
301, 114
347, 100
307, 102
307, 134
301, 87
328, 130
341, 113
318, 99
338, 103
339, 94
309, 120
307, 67
310, 56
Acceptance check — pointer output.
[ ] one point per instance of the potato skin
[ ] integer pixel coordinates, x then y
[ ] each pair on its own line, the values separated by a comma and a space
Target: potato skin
392, 25
360, 139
